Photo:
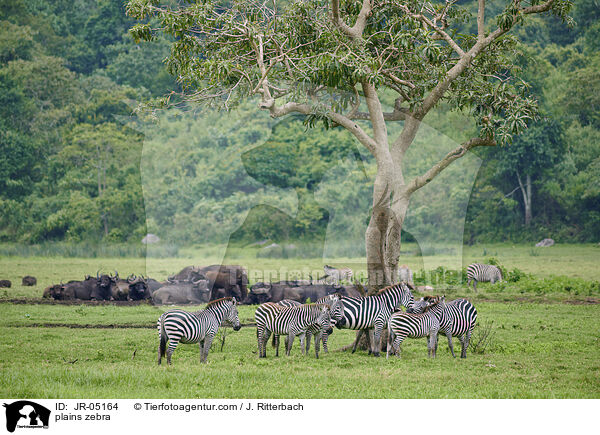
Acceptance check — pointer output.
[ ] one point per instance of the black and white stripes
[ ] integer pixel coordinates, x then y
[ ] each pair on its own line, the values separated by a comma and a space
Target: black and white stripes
427, 324
459, 317
272, 318
198, 327
375, 311
482, 272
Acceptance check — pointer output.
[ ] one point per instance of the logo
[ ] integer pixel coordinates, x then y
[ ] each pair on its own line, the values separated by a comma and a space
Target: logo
26, 414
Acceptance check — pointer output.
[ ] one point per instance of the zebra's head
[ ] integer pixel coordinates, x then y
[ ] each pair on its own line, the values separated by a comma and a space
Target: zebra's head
418, 306
231, 316
324, 320
337, 313
435, 303
398, 295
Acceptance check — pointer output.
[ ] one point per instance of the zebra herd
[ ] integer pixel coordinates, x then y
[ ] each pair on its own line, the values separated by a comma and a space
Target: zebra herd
423, 318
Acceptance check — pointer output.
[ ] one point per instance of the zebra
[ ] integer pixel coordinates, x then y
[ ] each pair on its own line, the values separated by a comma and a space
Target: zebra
337, 314
374, 312
459, 315
427, 324
288, 303
483, 272
199, 327
272, 318
334, 275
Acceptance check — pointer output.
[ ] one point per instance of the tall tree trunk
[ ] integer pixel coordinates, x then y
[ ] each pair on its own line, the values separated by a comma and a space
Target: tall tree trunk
526, 191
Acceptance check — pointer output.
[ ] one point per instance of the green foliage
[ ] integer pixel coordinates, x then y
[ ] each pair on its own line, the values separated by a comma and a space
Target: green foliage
70, 74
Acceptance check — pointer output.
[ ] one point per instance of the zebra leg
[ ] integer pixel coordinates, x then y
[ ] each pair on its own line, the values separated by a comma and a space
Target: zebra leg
172, 345
371, 342
276, 344
396, 346
207, 342
317, 345
463, 349
463, 353
474, 285
304, 341
324, 337
265, 340
449, 335
376, 343
291, 336
358, 336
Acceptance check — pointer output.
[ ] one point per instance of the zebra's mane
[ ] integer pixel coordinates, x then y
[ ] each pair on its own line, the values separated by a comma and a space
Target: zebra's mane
388, 287
211, 303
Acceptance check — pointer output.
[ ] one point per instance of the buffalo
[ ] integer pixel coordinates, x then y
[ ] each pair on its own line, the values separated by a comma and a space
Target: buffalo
224, 280
182, 293
55, 291
132, 289
274, 292
29, 281
5, 283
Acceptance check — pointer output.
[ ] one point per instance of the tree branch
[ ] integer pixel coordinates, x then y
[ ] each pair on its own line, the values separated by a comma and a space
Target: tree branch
481, 20
435, 28
356, 31
305, 109
422, 180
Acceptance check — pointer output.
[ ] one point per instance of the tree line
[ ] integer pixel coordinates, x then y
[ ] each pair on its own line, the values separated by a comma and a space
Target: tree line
74, 166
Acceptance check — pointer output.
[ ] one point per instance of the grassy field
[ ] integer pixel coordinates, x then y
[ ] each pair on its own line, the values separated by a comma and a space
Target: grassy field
544, 344
537, 351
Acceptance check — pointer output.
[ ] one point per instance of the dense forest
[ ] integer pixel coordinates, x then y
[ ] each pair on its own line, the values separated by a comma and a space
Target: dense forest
77, 164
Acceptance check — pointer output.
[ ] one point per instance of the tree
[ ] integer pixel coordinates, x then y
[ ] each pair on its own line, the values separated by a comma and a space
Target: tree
532, 152
305, 58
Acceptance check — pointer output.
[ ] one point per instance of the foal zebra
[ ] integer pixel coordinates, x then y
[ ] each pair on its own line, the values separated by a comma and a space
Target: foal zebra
427, 324
198, 327
459, 316
483, 272
288, 303
374, 312
337, 311
272, 318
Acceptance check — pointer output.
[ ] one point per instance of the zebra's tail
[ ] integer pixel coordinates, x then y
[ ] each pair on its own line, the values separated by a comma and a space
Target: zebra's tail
163, 337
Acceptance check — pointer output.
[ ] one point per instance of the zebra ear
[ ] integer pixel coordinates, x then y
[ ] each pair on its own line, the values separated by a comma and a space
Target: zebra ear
233, 300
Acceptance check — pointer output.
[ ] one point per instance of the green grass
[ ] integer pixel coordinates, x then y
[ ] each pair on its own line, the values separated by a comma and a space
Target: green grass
542, 347
538, 351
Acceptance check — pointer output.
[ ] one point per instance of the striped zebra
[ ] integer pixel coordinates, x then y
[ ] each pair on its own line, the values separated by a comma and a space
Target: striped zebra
374, 312
335, 276
427, 324
272, 318
483, 272
336, 304
288, 303
459, 317
198, 327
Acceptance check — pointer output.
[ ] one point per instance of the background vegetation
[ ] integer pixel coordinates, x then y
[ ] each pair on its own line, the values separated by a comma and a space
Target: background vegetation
74, 167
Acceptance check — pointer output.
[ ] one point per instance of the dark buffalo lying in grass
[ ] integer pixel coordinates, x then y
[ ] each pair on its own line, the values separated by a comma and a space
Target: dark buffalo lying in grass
224, 280
5, 283
182, 293
54, 291
29, 281
299, 291
133, 288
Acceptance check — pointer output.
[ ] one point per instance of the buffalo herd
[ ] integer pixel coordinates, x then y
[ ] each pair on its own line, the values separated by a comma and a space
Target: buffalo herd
193, 285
